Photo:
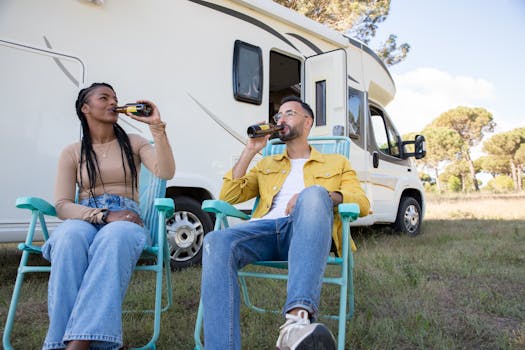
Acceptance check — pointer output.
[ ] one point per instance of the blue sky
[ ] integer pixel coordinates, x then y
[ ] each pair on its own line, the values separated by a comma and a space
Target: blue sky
462, 52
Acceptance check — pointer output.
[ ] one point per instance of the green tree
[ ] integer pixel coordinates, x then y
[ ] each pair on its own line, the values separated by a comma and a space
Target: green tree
443, 144
505, 145
471, 124
493, 165
519, 157
454, 183
358, 18
391, 53
461, 169
501, 183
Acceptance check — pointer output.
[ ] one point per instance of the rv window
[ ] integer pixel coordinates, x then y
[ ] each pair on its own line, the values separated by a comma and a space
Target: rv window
355, 108
320, 103
385, 135
247, 73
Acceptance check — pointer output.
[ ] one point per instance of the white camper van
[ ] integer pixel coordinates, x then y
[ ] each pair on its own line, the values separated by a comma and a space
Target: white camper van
213, 68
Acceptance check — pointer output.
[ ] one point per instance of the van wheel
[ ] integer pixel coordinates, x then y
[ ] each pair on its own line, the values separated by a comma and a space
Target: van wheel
408, 217
186, 230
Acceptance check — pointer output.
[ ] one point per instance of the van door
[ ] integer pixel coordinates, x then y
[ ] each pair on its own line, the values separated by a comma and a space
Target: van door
325, 90
388, 170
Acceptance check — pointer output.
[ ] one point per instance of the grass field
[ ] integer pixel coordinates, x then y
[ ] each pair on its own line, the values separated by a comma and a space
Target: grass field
459, 285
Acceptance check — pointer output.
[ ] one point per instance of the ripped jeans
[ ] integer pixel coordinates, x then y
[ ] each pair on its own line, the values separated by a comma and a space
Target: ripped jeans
91, 266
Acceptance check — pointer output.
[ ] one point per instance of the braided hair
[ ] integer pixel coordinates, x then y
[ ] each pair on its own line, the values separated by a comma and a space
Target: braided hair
87, 153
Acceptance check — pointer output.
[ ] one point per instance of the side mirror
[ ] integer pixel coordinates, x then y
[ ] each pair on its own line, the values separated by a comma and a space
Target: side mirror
419, 148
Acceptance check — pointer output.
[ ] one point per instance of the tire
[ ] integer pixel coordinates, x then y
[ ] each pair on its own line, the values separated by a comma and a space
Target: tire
186, 230
408, 218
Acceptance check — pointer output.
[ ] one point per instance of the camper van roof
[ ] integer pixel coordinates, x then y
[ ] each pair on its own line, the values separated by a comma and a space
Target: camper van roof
295, 19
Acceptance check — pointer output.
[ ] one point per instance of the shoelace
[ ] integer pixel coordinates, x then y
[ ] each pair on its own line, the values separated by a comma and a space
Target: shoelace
293, 321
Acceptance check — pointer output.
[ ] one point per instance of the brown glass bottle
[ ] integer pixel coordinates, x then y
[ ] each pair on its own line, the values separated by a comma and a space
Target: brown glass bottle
260, 130
138, 109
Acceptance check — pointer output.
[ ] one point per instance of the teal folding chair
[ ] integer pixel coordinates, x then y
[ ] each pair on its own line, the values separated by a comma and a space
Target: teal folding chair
155, 209
344, 279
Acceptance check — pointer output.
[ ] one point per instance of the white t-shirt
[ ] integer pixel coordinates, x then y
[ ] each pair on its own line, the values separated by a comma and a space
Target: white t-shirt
293, 184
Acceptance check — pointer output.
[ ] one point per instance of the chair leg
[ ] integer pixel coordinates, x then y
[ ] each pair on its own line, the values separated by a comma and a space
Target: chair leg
350, 299
167, 267
14, 303
159, 275
198, 328
246, 295
342, 317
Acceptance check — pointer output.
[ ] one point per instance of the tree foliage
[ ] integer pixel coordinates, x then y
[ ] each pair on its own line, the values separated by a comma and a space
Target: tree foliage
503, 145
442, 144
359, 18
519, 156
506, 146
471, 124
493, 165
392, 54
340, 15
501, 183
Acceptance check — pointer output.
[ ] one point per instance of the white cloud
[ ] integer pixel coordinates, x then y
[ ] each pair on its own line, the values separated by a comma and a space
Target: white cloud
424, 93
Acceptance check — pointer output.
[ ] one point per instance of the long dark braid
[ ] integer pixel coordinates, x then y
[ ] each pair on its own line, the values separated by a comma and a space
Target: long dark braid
87, 153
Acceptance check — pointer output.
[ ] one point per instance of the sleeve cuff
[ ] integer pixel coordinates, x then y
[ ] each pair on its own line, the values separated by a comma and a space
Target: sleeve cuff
99, 217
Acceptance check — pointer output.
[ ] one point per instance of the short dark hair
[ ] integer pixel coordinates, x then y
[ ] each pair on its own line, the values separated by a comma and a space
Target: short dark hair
306, 106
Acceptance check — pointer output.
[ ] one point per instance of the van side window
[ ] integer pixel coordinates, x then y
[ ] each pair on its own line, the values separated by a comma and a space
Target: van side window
385, 135
355, 108
247, 73
320, 103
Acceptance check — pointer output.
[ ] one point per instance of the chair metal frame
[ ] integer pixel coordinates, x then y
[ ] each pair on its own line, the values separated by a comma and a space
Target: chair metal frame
348, 211
155, 209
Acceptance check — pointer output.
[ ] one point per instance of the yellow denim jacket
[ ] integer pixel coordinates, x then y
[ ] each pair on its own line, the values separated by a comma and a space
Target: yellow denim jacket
265, 179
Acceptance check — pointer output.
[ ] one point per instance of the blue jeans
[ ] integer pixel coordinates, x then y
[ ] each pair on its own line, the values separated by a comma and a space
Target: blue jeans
303, 238
91, 267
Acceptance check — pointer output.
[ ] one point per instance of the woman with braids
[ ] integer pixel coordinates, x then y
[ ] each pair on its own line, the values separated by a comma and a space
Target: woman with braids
94, 251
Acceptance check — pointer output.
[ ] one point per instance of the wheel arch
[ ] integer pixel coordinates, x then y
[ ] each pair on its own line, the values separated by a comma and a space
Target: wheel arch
197, 193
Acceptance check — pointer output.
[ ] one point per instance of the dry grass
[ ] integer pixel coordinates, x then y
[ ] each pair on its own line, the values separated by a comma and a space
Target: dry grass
503, 207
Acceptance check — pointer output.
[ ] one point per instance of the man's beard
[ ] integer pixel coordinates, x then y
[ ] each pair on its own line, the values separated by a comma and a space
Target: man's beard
290, 135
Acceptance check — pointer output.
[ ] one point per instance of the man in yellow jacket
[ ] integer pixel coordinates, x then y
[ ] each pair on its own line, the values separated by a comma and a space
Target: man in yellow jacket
294, 220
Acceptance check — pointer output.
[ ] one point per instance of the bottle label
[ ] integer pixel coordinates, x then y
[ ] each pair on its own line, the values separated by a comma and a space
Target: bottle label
131, 109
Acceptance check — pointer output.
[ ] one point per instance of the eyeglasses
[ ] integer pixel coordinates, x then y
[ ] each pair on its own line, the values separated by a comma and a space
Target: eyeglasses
286, 114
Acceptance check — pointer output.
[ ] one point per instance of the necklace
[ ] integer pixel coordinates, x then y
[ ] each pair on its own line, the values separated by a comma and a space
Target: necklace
104, 149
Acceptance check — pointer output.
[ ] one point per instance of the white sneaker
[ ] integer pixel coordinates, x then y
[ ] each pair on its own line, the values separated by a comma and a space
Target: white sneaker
297, 333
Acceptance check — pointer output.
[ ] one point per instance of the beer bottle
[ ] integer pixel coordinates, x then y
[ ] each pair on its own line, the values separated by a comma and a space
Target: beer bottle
259, 130
138, 109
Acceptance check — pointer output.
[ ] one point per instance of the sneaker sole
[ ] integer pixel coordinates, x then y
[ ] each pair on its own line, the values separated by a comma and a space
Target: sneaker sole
319, 339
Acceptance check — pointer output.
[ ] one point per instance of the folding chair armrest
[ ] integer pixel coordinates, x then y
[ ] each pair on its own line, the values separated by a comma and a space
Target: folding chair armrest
34, 203
165, 204
349, 210
221, 207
